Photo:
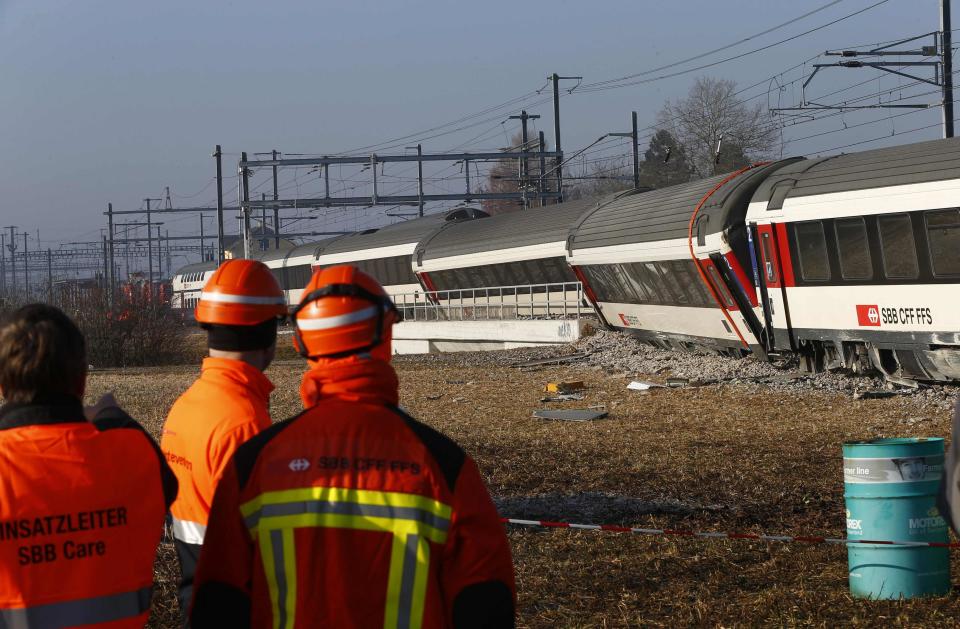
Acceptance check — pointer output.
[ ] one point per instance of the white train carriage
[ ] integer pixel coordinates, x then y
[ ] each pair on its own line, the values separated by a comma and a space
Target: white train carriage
514, 262
187, 284
668, 266
386, 253
860, 260
293, 267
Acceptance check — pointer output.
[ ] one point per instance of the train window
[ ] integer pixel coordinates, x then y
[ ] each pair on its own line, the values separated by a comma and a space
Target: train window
637, 274
720, 286
812, 251
769, 261
898, 247
597, 276
704, 295
676, 275
686, 282
632, 292
658, 292
671, 292
943, 236
854, 249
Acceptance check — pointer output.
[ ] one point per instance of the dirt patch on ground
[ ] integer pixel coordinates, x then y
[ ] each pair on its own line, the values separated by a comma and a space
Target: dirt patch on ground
727, 456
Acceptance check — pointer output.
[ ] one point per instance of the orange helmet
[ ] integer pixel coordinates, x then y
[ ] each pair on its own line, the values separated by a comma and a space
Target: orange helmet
241, 292
343, 311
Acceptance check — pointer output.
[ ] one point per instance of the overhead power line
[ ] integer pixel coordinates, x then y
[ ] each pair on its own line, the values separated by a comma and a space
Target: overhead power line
619, 82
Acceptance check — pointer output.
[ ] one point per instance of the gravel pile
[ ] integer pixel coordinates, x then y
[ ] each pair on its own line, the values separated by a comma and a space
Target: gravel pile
620, 353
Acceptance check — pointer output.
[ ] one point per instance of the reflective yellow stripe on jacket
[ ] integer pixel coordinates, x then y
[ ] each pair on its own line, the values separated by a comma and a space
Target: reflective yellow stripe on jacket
413, 520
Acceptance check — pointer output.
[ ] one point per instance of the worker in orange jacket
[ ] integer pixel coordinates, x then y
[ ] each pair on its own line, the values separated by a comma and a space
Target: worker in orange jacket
239, 308
352, 514
84, 495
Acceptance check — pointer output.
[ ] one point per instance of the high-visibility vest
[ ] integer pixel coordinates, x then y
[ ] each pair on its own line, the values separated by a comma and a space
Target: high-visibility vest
226, 406
353, 514
82, 507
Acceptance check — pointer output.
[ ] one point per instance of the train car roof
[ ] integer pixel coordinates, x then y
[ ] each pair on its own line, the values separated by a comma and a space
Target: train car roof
306, 249
935, 160
534, 226
665, 214
196, 266
404, 232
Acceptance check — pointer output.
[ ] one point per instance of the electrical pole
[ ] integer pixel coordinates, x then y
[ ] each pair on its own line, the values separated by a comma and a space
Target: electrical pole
420, 179
26, 266
244, 204
524, 163
12, 247
636, 154
149, 250
276, 210
105, 262
159, 256
556, 127
50, 276
636, 148
3, 265
113, 279
203, 257
946, 51
543, 169
217, 154
264, 241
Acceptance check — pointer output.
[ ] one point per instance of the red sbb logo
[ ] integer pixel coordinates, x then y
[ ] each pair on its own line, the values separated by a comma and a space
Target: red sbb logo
868, 316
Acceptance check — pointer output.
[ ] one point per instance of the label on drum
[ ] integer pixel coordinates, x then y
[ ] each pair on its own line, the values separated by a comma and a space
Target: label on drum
903, 470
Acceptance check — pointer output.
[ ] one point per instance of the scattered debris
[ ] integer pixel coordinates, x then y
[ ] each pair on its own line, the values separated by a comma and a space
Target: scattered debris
435, 397
555, 360
873, 395
563, 397
677, 382
565, 387
640, 385
572, 415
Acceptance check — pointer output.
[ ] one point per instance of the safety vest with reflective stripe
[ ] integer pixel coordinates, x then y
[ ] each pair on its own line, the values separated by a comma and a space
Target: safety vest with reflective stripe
82, 507
353, 514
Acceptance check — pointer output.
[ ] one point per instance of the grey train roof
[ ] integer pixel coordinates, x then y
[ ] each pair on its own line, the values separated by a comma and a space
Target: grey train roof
664, 214
306, 249
934, 160
196, 266
400, 233
521, 228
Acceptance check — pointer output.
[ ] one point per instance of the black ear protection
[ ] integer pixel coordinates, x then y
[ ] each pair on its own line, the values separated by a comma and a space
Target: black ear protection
383, 303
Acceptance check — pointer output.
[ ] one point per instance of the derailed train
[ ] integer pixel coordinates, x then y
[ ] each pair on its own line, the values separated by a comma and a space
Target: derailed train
850, 261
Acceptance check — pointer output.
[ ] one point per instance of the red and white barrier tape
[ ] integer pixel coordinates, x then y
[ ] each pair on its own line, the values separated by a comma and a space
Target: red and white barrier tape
760, 537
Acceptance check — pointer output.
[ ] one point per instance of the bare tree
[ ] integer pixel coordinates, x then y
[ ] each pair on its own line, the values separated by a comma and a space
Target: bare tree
712, 110
599, 178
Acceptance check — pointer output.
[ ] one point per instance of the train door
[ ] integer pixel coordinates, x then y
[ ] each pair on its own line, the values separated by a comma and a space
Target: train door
770, 242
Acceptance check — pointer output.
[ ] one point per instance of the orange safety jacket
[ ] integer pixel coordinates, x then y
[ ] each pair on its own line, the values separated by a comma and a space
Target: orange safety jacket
226, 406
82, 506
353, 514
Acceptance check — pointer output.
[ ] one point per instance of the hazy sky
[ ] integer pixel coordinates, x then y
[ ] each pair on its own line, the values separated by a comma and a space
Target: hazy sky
111, 100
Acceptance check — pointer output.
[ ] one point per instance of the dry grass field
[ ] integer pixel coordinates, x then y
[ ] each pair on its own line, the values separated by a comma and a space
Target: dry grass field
722, 457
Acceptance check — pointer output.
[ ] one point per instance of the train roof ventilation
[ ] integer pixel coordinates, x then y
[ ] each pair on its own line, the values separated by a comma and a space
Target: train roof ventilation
464, 213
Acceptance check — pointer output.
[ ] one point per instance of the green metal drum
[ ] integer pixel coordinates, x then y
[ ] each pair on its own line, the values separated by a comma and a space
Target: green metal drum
890, 489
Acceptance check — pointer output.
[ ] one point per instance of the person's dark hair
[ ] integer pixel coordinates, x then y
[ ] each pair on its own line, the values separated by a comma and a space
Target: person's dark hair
241, 338
42, 353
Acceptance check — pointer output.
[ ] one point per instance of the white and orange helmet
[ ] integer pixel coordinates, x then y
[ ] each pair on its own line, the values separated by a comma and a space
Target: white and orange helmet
241, 293
343, 312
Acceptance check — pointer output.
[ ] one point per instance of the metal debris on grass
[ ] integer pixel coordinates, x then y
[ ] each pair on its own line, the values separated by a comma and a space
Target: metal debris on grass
572, 415
641, 385
561, 388
563, 397
555, 360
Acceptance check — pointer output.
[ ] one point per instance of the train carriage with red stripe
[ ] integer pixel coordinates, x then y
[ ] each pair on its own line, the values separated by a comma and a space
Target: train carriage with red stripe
860, 260
673, 266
